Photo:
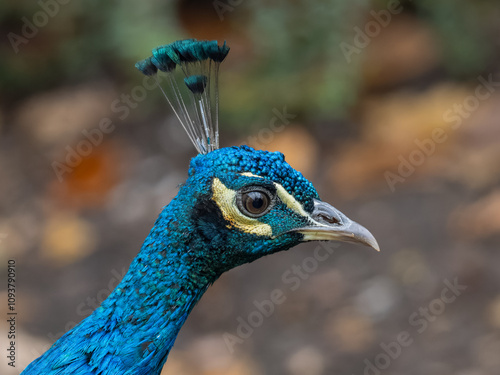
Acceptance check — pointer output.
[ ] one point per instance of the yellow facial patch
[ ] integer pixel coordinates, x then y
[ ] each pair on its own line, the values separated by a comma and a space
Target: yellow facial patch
225, 199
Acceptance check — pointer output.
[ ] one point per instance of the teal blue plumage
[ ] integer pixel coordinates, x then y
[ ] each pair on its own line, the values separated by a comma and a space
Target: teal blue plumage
237, 205
189, 247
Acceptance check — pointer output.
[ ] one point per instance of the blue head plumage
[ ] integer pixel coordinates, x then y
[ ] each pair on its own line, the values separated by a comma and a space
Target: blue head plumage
228, 181
237, 204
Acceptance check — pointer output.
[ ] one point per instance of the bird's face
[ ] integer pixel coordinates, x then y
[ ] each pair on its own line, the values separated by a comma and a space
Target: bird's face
258, 204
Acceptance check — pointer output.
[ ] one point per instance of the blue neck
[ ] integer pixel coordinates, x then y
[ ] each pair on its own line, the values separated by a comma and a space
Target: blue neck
158, 292
135, 328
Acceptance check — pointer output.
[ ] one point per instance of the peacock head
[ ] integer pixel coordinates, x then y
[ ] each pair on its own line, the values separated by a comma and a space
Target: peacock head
251, 203
244, 203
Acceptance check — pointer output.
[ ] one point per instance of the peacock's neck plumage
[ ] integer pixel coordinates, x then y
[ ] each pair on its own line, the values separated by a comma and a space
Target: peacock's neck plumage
163, 284
134, 329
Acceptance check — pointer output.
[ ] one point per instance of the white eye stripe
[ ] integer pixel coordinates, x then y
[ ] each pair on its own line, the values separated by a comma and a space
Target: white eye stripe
249, 174
291, 202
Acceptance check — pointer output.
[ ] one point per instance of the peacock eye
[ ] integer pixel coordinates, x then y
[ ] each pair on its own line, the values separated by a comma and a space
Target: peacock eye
254, 203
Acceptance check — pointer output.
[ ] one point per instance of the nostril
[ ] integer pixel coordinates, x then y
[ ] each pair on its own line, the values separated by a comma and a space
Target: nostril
327, 218
324, 213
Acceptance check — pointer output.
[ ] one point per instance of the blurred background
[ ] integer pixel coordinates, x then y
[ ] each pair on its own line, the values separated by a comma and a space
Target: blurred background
392, 110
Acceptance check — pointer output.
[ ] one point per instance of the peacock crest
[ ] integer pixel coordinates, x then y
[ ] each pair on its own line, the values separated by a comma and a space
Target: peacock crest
193, 93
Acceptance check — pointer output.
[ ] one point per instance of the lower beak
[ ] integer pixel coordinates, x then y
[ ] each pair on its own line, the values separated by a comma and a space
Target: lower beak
329, 224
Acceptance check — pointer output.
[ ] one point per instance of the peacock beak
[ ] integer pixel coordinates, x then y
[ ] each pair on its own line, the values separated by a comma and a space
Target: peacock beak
329, 224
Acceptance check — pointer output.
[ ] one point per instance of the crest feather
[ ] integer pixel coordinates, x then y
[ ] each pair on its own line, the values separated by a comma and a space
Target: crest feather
195, 99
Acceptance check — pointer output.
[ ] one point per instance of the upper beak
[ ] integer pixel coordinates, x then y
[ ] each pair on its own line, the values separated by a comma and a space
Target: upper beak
328, 223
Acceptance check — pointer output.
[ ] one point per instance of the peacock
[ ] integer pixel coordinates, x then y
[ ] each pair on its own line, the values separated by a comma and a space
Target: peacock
238, 204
